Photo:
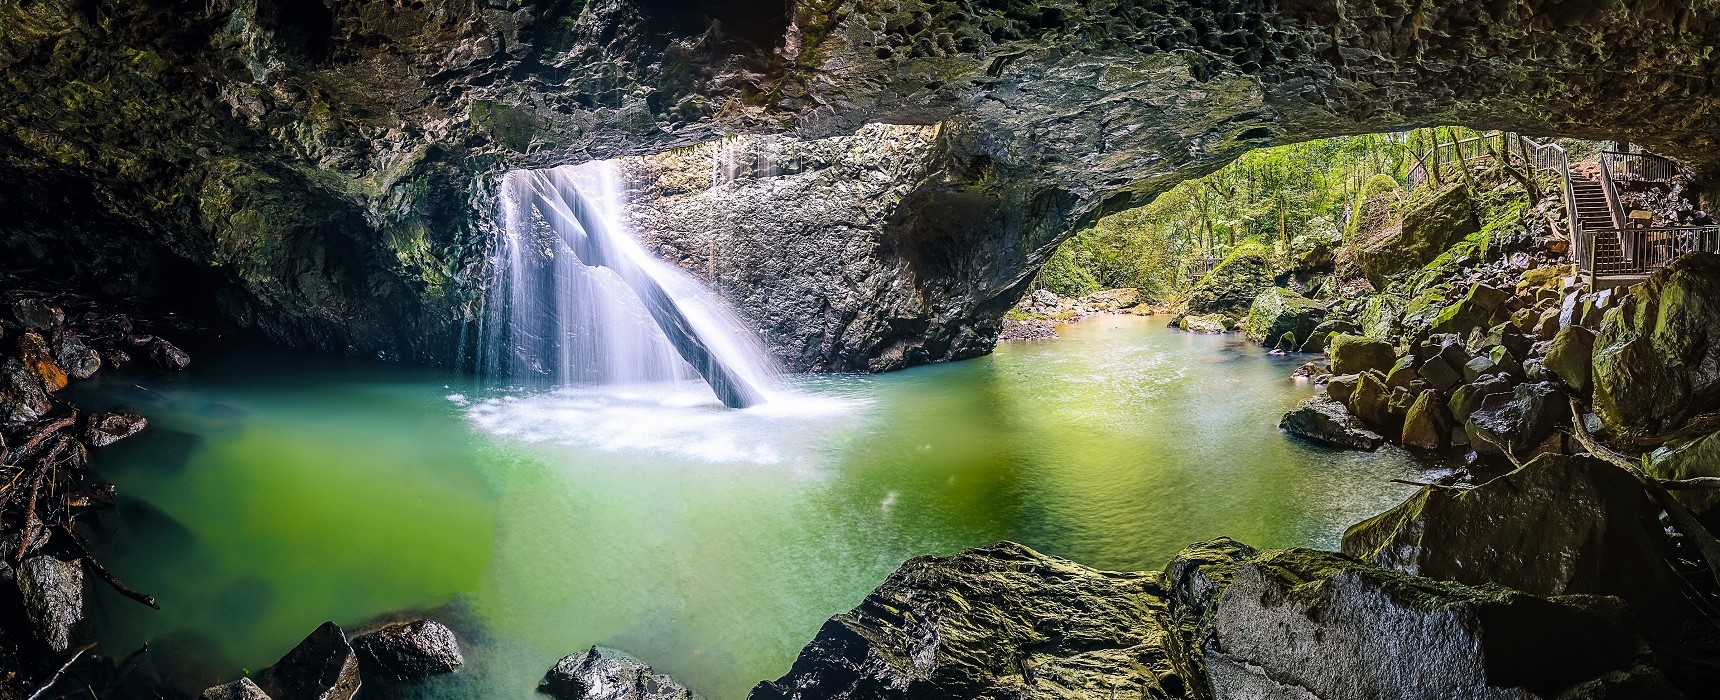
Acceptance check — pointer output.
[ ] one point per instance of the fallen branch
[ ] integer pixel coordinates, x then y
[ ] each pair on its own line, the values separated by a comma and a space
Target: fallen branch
1697, 483
105, 575
1682, 518
61, 670
1699, 425
1430, 484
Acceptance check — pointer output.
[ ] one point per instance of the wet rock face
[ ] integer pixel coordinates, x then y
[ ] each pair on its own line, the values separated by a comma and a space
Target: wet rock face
409, 650
326, 176
1306, 624
1223, 620
999, 621
607, 674
867, 252
53, 599
1560, 525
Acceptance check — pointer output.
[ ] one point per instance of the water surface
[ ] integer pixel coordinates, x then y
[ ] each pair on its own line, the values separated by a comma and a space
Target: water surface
274, 491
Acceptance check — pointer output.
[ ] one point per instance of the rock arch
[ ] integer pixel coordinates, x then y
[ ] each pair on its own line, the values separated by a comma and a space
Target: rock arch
222, 134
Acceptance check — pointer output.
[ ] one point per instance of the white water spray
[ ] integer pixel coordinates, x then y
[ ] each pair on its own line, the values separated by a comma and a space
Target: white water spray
576, 300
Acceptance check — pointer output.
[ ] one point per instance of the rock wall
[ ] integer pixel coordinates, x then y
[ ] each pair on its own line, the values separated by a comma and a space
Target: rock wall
867, 252
323, 171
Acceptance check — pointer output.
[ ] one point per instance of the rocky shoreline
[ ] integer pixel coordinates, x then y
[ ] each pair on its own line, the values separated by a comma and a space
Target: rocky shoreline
49, 339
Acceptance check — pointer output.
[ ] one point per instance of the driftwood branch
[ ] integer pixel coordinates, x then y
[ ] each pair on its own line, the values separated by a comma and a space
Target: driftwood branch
1682, 518
73, 658
105, 575
1692, 484
1698, 425
1429, 484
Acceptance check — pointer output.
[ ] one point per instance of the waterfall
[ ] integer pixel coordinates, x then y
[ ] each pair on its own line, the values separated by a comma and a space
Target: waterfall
576, 300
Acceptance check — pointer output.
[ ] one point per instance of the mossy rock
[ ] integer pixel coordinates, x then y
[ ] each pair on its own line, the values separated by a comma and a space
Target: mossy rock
1278, 312
1655, 356
1429, 227
1233, 284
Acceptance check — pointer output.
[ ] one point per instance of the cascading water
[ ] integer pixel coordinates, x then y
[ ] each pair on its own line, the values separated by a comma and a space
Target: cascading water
576, 300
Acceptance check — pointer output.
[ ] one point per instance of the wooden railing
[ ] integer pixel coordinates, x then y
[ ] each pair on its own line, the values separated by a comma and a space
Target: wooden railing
1615, 208
1641, 251
1461, 151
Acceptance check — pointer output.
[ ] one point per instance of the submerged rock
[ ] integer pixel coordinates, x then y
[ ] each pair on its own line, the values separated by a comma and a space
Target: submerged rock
409, 650
242, 689
1560, 525
53, 593
607, 674
322, 667
105, 429
994, 622
1657, 356
1324, 420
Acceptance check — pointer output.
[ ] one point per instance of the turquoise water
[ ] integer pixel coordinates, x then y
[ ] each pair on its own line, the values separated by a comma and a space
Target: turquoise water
274, 491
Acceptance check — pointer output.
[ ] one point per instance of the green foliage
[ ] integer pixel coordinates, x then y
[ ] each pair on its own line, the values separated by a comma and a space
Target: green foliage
1272, 196
1067, 273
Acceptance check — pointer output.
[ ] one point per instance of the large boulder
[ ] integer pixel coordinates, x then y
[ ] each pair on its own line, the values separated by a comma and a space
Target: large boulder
53, 592
1324, 420
1558, 526
1429, 226
607, 674
1520, 420
994, 622
408, 650
1232, 285
1354, 354
1315, 625
322, 667
1657, 356
1278, 311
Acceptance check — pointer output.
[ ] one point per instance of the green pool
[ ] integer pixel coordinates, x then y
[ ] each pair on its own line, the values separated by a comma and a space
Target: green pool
274, 491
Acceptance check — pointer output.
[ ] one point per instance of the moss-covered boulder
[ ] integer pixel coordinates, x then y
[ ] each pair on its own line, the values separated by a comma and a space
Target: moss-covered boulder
1560, 525
1571, 357
1483, 307
1657, 356
1429, 225
1354, 354
1204, 323
1279, 311
1233, 284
